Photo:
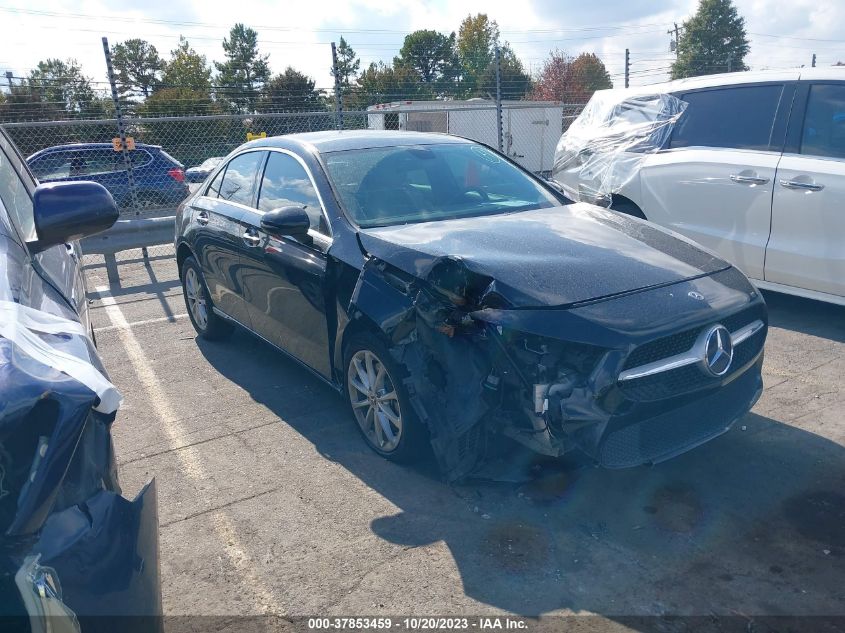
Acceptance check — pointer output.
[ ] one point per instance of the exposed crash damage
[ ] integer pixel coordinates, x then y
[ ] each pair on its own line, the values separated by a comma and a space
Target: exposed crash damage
442, 288
532, 358
72, 546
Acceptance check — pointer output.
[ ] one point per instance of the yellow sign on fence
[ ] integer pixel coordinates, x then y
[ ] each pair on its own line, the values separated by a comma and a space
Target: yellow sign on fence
251, 137
130, 143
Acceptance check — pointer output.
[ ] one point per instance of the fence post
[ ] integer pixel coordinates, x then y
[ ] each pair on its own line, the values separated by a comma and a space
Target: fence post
338, 95
121, 130
499, 100
627, 67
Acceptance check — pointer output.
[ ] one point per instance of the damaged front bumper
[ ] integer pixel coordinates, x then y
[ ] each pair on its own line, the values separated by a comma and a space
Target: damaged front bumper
549, 378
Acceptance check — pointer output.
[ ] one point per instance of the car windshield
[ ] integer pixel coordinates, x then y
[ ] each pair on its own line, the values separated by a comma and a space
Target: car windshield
406, 184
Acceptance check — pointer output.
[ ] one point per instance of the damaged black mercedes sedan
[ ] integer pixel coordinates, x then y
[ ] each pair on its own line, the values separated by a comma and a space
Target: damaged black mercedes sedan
452, 297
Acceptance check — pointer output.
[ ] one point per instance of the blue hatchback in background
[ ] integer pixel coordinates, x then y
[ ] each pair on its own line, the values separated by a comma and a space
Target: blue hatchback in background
159, 178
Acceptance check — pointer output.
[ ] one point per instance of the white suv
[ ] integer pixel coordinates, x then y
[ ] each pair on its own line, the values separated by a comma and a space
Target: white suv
754, 169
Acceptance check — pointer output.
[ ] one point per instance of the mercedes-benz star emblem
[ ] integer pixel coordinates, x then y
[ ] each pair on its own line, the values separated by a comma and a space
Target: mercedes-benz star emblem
718, 351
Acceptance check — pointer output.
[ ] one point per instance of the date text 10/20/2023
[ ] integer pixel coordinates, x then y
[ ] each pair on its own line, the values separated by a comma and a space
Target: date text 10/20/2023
491, 623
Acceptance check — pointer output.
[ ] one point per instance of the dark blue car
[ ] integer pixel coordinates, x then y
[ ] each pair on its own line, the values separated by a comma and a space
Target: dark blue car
75, 555
159, 178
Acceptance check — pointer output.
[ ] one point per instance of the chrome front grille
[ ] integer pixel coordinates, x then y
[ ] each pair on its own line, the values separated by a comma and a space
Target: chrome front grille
665, 374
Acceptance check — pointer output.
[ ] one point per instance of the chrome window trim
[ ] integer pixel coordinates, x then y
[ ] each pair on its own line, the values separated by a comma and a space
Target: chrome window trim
690, 357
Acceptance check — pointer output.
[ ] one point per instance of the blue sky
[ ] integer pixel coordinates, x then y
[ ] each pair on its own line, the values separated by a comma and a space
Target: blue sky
298, 33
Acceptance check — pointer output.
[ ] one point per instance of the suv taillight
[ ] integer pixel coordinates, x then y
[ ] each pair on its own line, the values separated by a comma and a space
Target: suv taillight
177, 173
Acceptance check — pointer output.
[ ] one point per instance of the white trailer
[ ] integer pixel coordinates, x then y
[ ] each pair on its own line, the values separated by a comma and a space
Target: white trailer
530, 129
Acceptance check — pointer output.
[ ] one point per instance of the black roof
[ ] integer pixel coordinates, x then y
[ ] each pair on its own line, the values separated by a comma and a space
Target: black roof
338, 140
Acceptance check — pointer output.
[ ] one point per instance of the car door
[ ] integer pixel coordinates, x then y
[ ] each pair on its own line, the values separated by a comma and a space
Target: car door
217, 232
105, 166
714, 182
283, 278
807, 245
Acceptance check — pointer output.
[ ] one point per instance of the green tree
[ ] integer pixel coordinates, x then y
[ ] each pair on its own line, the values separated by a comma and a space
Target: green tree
290, 91
348, 63
433, 56
60, 88
245, 71
478, 36
187, 69
382, 83
712, 41
514, 81
137, 66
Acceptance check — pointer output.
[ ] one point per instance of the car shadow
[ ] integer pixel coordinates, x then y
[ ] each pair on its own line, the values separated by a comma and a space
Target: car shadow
807, 316
752, 523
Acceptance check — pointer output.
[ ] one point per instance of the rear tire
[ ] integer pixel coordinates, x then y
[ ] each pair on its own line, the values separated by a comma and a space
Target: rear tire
628, 208
198, 301
379, 402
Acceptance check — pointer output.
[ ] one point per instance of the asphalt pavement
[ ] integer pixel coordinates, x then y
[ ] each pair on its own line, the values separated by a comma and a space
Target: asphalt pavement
270, 502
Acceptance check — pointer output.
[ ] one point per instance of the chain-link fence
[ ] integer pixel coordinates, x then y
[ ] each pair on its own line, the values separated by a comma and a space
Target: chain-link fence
170, 156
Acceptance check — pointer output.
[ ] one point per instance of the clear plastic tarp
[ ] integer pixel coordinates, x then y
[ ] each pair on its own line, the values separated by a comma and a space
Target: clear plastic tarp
605, 146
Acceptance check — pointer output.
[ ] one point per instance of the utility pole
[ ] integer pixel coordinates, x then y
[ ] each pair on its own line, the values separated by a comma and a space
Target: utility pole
674, 45
627, 67
730, 62
499, 99
338, 95
813, 64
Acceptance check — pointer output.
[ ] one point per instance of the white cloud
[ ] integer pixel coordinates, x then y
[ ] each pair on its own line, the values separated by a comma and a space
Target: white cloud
299, 34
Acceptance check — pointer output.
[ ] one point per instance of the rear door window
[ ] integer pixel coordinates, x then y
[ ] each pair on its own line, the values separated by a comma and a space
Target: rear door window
239, 180
741, 117
824, 122
95, 161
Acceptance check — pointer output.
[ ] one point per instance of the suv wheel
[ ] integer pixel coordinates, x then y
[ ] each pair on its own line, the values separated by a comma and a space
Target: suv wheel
379, 401
207, 324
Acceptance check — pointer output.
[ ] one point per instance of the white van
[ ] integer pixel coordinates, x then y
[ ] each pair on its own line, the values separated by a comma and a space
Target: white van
754, 169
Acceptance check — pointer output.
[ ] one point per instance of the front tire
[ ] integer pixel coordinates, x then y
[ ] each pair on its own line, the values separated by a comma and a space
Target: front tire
198, 301
379, 401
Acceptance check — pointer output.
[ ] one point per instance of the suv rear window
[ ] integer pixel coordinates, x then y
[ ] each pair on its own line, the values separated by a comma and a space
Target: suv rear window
824, 123
734, 117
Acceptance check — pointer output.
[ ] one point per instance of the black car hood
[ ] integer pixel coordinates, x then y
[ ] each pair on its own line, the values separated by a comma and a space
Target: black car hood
547, 257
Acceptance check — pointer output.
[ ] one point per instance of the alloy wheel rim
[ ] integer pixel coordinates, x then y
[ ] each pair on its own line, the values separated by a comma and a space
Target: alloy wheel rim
196, 300
374, 400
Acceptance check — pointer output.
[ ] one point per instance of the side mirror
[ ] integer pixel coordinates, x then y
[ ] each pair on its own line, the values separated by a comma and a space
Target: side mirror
292, 221
69, 211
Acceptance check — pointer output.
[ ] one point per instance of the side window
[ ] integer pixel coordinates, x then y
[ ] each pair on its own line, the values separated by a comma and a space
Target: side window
738, 118
824, 122
16, 198
52, 166
213, 190
239, 179
95, 161
286, 184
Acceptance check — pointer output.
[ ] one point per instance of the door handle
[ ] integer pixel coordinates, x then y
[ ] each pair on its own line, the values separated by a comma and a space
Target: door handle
748, 180
202, 218
801, 186
250, 238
